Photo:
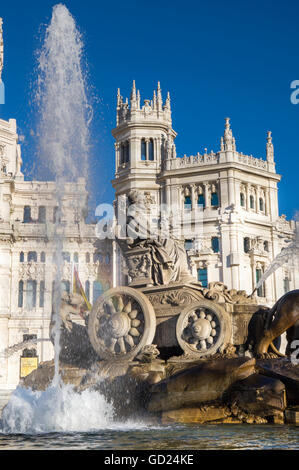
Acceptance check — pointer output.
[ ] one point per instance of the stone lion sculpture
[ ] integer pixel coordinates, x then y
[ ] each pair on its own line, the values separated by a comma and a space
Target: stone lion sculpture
75, 346
273, 322
70, 304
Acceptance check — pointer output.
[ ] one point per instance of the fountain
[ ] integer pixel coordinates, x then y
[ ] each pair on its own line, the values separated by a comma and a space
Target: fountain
162, 349
288, 255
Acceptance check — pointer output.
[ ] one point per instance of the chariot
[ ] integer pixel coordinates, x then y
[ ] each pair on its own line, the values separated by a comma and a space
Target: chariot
180, 317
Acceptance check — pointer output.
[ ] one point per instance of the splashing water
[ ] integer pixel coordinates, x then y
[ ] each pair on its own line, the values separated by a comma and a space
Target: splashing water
288, 255
57, 409
63, 130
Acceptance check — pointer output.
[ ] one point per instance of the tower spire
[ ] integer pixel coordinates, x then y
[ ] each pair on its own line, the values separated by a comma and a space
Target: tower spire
167, 102
133, 97
118, 97
159, 97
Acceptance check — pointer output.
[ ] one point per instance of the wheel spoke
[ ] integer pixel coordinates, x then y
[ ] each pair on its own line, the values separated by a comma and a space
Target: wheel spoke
112, 344
119, 303
133, 314
110, 307
134, 332
128, 307
129, 340
122, 345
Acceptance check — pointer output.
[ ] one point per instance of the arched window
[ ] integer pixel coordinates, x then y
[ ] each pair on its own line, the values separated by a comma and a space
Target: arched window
188, 203
261, 290
143, 149
151, 150
76, 258
27, 215
97, 257
201, 200
246, 243
20, 294
87, 290
87, 258
107, 258
31, 295
41, 294
261, 204
42, 214
214, 200
215, 244
251, 202
97, 290
32, 256
266, 245
147, 150
22, 257
125, 152
43, 257
202, 276
242, 199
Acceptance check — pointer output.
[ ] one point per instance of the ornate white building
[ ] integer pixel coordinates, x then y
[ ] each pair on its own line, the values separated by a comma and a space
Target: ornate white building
242, 230
27, 257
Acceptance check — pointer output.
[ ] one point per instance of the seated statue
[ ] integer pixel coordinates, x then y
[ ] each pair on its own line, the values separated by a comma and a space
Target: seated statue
167, 258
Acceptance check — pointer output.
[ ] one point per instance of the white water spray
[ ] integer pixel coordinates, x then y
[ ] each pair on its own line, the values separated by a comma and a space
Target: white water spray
57, 409
288, 255
63, 129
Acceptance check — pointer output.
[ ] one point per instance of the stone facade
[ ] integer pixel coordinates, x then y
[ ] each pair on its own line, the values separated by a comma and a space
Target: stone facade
27, 258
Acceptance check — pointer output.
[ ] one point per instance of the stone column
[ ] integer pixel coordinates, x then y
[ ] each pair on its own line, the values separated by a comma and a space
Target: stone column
147, 149
257, 199
247, 196
207, 196
135, 151
117, 155
267, 202
253, 274
234, 258
193, 201
231, 189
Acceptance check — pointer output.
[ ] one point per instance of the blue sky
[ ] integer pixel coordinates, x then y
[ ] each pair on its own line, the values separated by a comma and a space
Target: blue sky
217, 59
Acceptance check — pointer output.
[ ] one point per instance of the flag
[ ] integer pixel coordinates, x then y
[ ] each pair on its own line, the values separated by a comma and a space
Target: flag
77, 288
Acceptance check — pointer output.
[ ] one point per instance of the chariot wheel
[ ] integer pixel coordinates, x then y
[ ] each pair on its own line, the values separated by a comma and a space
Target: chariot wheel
202, 328
121, 322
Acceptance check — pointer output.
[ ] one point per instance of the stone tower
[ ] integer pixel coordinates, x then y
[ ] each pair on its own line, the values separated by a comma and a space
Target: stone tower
144, 140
